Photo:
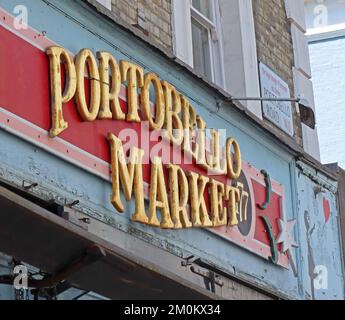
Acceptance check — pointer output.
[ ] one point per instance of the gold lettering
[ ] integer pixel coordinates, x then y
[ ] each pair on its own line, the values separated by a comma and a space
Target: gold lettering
134, 75
86, 57
243, 205
199, 215
233, 174
218, 211
178, 192
156, 124
110, 87
129, 176
184, 127
233, 196
189, 118
215, 158
159, 197
173, 123
57, 56
201, 139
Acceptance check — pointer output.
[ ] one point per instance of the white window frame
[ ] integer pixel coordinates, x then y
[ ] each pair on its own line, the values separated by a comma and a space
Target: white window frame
325, 33
237, 44
184, 12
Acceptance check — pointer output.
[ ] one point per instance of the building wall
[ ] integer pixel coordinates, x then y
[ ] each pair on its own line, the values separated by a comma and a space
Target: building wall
272, 31
341, 202
321, 254
65, 182
152, 17
273, 38
326, 33
328, 64
280, 44
274, 45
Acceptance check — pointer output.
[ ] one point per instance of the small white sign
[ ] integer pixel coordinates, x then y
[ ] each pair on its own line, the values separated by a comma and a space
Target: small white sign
278, 112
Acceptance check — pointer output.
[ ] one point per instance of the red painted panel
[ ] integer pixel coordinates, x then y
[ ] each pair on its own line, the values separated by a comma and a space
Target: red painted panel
273, 212
24, 91
24, 77
326, 209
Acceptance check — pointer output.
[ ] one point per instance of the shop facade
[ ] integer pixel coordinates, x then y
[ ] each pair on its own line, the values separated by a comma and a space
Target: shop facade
238, 212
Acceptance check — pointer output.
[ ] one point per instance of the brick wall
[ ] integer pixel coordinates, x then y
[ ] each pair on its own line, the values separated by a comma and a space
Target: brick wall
274, 44
152, 16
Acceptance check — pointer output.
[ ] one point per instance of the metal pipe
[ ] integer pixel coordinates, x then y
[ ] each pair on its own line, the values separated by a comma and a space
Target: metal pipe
265, 99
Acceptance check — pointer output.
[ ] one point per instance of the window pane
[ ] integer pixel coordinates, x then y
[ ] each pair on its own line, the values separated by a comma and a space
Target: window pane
204, 7
201, 49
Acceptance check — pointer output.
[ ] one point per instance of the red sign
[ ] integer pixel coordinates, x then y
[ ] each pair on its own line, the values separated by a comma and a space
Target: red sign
25, 112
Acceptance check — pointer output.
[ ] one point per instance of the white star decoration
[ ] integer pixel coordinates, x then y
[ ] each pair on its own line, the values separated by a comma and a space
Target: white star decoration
287, 239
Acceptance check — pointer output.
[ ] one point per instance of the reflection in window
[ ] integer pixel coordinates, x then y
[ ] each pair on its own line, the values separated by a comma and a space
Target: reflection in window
201, 49
204, 7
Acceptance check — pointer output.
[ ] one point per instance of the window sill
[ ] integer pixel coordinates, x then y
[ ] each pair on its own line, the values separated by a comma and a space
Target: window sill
324, 33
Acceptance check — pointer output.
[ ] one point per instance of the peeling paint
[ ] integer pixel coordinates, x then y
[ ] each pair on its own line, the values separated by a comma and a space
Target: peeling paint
311, 264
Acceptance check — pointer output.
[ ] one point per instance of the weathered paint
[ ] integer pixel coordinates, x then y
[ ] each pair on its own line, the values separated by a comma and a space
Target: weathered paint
57, 179
341, 200
91, 136
319, 234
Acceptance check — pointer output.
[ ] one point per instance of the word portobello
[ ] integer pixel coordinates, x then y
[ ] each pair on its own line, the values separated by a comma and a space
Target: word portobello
178, 120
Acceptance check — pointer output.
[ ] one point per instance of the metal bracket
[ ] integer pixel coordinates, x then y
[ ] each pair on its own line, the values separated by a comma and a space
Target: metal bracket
28, 185
210, 278
187, 261
73, 204
207, 274
82, 221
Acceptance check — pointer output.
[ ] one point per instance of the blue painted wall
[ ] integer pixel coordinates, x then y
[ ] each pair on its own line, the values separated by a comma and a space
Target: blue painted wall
319, 236
328, 71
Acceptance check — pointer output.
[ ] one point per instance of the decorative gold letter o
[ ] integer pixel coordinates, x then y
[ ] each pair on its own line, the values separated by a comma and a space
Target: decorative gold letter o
233, 174
158, 123
84, 57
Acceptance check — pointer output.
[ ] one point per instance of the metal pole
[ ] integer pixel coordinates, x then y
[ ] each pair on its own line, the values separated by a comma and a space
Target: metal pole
266, 99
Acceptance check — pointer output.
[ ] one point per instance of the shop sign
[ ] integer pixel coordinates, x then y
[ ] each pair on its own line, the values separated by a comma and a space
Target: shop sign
93, 111
278, 112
